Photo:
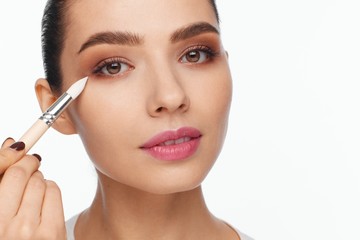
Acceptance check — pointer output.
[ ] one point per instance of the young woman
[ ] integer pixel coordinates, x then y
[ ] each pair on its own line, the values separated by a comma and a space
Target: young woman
152, 118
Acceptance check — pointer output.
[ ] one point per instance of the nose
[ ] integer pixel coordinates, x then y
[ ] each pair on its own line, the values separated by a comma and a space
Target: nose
168, 95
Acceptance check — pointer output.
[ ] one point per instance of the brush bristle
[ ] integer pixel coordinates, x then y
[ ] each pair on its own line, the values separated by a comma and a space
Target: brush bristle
75, 89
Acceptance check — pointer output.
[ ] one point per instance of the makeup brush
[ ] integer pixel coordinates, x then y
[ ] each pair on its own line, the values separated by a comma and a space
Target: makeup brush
52, 113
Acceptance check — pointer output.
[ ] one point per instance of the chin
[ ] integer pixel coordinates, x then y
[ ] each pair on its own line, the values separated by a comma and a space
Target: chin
175, 184
169, 189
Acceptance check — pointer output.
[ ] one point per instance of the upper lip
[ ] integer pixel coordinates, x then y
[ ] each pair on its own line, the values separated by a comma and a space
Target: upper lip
172, 135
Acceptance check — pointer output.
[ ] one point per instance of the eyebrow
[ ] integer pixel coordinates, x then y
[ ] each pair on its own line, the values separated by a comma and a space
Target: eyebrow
120, 38
131, 39
192, 31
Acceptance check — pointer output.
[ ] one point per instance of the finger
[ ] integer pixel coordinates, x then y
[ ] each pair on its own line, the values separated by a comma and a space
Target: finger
52, 224
7, 142
13, 185
32, 201
52, 215
27, 220
11, 154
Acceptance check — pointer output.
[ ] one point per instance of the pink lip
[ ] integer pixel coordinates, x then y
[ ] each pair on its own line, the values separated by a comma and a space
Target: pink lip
173, 145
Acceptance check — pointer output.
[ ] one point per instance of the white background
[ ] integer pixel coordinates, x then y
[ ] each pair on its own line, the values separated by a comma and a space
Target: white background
290, 165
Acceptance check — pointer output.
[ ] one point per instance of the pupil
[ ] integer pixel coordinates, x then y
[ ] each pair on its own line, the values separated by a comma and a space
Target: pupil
114, 68
193, 56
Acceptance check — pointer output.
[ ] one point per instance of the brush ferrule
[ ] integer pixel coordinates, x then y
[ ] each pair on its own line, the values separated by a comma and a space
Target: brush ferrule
55, 110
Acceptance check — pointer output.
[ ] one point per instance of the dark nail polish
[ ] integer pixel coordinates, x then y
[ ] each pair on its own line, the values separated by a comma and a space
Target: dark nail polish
18, 146
37, 156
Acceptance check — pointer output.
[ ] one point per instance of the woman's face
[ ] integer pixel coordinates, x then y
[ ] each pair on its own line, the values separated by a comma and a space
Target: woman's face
154, 112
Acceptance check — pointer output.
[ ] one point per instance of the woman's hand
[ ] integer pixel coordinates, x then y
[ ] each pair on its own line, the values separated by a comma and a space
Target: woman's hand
30, 206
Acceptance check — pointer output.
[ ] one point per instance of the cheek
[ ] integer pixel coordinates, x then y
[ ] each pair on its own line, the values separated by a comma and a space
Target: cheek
102, 120
215, 106
220, 99
213, 97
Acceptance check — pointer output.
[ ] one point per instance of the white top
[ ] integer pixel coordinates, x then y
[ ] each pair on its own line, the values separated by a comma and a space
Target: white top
70, 227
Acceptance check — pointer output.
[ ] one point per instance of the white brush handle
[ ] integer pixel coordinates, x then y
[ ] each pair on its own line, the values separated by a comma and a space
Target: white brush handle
34, 133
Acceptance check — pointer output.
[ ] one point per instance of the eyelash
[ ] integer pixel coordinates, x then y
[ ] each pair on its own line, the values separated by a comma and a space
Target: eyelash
210, 55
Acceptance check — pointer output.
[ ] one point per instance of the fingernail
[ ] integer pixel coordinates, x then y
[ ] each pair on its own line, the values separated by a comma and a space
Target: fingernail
37, 156
18, 146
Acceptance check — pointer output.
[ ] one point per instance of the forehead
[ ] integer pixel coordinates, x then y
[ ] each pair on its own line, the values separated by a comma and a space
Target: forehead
143, 16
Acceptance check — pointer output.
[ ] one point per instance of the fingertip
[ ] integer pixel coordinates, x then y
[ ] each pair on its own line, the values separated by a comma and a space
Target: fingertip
8, 142
52, 185
18, 146
37, 156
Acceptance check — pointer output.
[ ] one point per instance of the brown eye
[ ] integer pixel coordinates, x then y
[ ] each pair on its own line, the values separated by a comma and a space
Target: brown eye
193, 56
113, 68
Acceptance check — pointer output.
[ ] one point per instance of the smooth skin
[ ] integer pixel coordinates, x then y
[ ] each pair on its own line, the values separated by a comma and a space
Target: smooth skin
159, 87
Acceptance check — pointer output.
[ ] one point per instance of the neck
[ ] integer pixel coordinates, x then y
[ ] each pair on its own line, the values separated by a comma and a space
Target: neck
123, 212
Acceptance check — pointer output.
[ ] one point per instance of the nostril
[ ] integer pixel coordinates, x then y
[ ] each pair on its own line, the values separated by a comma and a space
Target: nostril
159, 109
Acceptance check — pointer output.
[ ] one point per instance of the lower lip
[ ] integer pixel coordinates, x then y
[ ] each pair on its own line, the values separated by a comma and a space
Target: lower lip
174, 152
